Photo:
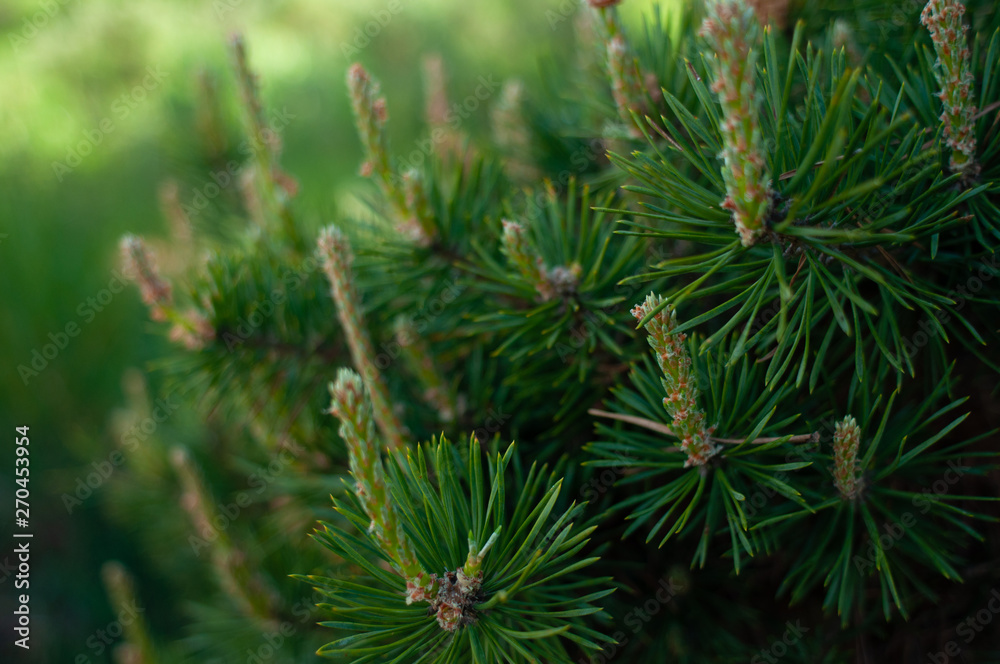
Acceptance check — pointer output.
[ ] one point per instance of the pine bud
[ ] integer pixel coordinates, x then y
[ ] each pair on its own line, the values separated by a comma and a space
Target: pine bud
512, 134
772, 11
435, 91
843, 37
418, 222
588, 34
681, 402
449, 615
418, 355
406, 194
371, 115
139, 264
335, 251
470, 575
519, 251
211, 120
627, 85
943, 19
846, 471
193, 497
731, 30
438, 111
357, 429
249, 85
190, 328
248, 184
136, 648
558, 282
266, 189
173, 210
126, 653
247, 589
193, 330
561, 281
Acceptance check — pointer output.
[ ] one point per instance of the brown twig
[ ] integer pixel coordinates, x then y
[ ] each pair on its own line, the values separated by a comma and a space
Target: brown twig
802, 261
996, 119
632, 419
664, 429
992, 107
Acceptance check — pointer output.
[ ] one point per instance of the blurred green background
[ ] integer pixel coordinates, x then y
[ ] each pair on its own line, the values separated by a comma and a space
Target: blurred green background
97, 109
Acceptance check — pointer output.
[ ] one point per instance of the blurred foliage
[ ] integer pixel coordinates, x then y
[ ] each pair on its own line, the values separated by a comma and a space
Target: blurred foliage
71, 76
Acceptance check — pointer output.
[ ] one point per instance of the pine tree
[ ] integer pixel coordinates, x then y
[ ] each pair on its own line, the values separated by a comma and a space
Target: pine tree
723, 389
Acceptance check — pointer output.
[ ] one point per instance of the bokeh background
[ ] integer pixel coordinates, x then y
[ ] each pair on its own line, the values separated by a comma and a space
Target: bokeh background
98, 108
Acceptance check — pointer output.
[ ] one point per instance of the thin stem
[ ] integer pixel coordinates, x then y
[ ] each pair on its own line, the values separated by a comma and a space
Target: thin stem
664, 429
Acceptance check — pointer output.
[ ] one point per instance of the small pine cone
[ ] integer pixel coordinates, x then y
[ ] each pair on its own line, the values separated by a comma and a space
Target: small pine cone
435, 91
173, 210
943, 19
469, 585
679, 382
628, 86
357, 429
139, 264
772, 11
560, 281
250, 94
417, 352
512, 134
127, 653
417, 221
846, 470
371, 115
843, 37
731, 30
193, 330
519, 250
